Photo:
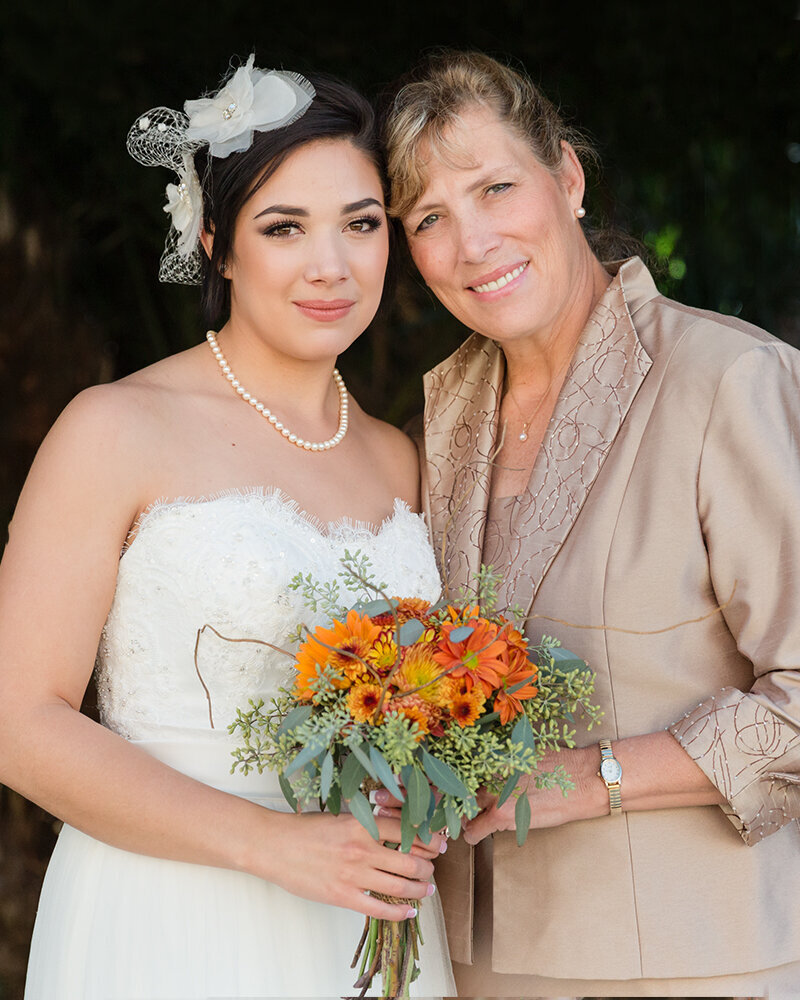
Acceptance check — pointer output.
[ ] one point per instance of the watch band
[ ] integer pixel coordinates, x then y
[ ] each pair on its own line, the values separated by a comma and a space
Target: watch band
613, 773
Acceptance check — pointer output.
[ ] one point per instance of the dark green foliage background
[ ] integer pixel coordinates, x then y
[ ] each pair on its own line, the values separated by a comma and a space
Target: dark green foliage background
693, 106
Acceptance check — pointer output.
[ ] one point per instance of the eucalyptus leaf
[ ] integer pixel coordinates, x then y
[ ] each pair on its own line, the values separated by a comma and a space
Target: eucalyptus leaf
486, 719
409, 632
306, 755
461, 633
443, 776
439, 818
380, 607
407, 830
352, 775
424, 833
522, 817
295, 718
508, 788
362, 810
334, 802
522, 733
288, 791
385, 773
566, 662
362, 752
326, 776
419, 795
453, 819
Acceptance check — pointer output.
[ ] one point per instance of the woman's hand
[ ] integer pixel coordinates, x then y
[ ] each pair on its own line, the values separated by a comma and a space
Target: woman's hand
334, 860
657, 773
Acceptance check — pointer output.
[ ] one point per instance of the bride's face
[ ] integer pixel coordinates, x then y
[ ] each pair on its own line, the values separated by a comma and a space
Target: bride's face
309, 252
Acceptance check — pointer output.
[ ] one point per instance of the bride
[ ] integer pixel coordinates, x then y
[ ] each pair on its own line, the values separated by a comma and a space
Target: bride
219, 474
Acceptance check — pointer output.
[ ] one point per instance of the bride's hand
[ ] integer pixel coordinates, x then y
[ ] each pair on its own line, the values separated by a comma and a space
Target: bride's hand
334, 860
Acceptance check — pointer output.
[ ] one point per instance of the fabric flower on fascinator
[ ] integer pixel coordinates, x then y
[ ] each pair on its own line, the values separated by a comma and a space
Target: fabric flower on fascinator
185, 205
253, 100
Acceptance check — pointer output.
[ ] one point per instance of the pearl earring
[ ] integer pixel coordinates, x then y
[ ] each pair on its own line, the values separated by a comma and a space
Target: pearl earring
580, 212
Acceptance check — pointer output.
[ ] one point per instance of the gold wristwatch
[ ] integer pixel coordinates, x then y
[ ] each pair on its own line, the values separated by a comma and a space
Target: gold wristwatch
611, 773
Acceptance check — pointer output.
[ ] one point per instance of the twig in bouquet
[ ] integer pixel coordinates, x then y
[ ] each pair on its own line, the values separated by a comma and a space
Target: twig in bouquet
635, 631
225, 638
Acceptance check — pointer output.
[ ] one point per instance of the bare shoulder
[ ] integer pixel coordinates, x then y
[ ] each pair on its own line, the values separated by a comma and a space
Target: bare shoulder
104, 445
397, 457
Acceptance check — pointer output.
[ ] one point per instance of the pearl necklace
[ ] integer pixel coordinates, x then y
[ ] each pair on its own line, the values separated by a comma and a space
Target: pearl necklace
337, 438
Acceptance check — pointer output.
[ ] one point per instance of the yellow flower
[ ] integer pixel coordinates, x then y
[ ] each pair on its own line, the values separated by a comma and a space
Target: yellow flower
421, 674
383, 654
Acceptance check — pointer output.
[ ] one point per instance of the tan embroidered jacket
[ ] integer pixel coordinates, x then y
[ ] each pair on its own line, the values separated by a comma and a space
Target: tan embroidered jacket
669, 473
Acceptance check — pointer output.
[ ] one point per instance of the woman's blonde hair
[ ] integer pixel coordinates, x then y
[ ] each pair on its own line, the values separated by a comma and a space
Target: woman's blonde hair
439, 90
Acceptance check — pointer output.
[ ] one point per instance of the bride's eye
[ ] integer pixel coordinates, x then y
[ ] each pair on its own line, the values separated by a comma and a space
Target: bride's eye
365, 224
498, 188
286, 227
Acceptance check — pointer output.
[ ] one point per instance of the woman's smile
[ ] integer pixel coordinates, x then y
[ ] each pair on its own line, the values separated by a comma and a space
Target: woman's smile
501, 281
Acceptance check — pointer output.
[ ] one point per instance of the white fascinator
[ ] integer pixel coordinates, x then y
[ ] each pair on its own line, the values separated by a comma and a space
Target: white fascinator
251, 100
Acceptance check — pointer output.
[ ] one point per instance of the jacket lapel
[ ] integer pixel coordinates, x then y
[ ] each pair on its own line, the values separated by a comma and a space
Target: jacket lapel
462, 401
461, 417
606, 372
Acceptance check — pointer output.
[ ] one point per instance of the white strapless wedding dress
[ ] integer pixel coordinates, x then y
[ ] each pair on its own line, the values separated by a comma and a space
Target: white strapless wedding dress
122, 926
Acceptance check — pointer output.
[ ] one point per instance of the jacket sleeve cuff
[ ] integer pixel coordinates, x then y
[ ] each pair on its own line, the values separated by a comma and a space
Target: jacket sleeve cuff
751, 755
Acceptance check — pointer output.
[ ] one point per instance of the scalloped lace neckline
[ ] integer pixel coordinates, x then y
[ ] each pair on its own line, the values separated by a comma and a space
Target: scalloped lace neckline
326, 529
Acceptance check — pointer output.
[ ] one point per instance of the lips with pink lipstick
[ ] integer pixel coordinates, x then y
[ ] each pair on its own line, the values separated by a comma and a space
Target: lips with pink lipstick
502, 278
325, 310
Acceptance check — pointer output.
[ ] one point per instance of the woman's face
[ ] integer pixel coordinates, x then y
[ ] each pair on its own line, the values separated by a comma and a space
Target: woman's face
309, 252
495, 234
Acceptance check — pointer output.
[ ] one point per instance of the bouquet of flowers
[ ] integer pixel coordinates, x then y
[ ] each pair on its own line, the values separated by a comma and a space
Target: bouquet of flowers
431, 702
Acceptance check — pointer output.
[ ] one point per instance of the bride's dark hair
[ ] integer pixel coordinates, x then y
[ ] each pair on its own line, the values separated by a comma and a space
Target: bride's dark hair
337, 112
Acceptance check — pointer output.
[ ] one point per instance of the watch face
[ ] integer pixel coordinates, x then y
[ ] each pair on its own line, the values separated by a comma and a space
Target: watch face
611, 770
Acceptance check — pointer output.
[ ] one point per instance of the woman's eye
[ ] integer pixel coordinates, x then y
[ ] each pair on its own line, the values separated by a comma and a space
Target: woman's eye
427, 222
497, 188
282, 229
366, 224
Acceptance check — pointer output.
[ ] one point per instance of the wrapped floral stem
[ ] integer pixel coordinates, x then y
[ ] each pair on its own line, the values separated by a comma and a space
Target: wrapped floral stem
431, 702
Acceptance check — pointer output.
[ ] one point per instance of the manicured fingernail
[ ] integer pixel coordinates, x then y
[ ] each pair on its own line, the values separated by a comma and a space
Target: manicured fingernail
373, 795
381, 795
376, 810
443, 847
411, 913
431, 889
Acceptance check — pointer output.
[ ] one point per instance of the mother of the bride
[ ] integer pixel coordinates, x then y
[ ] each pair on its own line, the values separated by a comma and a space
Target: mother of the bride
648, 473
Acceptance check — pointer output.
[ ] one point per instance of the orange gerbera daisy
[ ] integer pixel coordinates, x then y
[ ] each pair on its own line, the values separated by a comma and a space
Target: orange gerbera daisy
421, 674
509, 704
342, 647
467, 707
463, 616
479, 655
363, 700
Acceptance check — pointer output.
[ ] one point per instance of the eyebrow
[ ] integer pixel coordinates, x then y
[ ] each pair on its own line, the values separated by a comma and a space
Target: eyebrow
303, 213
482, 181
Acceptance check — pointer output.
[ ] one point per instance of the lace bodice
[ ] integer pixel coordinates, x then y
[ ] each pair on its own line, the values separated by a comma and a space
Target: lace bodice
227, 562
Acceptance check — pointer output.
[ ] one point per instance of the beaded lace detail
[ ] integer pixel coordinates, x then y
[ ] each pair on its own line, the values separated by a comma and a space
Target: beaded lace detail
227, 561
